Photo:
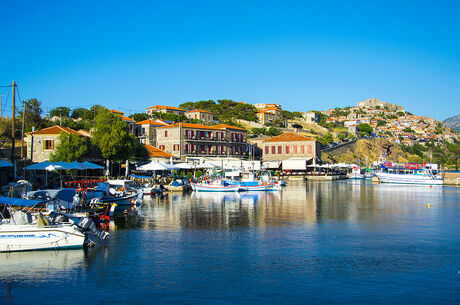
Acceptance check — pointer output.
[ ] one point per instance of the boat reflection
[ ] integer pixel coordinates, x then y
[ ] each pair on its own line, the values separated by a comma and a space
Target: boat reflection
39, 265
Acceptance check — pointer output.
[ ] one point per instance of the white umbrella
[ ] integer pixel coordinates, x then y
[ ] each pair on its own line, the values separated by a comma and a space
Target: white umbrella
50, 168
156, 166
183, 165
206, 165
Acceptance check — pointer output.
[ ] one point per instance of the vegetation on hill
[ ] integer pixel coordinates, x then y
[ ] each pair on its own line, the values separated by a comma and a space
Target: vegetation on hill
225, 110
372, 149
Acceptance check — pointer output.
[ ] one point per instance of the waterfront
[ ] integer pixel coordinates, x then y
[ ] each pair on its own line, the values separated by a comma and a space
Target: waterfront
314, 242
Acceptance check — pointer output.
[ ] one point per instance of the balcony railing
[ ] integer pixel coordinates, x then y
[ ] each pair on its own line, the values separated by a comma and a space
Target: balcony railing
207, 139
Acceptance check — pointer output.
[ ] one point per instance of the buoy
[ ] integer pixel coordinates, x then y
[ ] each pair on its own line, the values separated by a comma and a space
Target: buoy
428, 205
431, 186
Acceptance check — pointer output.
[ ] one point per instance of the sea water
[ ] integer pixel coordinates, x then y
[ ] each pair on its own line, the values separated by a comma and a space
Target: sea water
311, 243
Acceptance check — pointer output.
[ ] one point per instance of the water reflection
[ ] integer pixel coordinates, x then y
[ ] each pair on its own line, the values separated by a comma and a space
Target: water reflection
301, 202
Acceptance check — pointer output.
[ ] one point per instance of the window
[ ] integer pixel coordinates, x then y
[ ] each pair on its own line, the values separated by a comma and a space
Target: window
294, 148
166, 133
309, 149
280, 150
162, 147
273, 150
287, 149
48, 144
186, 148
143, 131
176, 147
267, 150
302, 149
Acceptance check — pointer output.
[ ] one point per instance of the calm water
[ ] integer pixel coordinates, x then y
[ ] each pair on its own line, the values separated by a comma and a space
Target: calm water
315, 243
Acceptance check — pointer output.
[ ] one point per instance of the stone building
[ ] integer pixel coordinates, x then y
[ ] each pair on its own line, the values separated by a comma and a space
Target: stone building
145, 131
373, 103
205, 116
41, 143
186, 139
311, 117
164, 109
290, 145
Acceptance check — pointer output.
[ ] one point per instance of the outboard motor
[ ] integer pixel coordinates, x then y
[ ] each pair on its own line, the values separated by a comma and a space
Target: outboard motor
93, 235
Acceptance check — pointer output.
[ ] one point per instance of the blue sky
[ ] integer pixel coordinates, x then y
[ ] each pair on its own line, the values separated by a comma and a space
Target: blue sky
129, 55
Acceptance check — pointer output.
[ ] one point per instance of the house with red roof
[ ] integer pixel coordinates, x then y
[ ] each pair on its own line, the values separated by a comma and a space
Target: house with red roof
41, 143
290, 145
205, 116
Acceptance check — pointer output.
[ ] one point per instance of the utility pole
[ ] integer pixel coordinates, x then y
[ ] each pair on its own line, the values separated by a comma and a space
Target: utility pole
23, 122
1, 105
12, 121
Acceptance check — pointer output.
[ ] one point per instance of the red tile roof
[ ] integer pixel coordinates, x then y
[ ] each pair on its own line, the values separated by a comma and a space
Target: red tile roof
56, 129
150, 122
165, 107
156, 152
116, 111
199, 126
289, 137
199, 110
126, 118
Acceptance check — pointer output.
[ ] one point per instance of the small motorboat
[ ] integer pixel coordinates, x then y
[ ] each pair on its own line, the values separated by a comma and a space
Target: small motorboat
21, 232
216, 185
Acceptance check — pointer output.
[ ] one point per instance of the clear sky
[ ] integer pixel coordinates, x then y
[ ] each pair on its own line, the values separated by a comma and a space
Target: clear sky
304, 55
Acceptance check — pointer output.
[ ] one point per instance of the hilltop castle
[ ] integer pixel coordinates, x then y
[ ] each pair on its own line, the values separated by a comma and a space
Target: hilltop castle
373, 103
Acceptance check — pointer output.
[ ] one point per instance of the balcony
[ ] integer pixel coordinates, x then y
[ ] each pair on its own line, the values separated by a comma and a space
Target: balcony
205, 139
209, 154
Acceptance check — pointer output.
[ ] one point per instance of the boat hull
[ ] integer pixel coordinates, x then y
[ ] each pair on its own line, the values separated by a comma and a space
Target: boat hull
30, 237
408, 179
215, 188
260, 187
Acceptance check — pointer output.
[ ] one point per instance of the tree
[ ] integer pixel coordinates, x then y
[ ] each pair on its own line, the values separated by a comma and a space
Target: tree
272, 131
112, 137
80, 113
400, 113
365, 128
60, 112
139, 116
33, 114
72, 147
297, 126
381, 123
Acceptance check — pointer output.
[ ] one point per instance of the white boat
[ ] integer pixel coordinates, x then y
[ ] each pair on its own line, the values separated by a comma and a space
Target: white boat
260, 187
214, 186
20, 234
355, 173
23, 233
419, 176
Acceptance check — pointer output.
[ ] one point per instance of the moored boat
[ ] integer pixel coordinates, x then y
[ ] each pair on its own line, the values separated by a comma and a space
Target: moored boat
215, 186
421, 176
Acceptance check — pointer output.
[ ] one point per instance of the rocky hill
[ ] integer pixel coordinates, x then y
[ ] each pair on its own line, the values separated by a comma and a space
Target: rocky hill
369, 150
453, 122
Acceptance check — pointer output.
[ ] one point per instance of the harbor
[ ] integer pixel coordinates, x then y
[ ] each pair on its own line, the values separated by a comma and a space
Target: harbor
371, 242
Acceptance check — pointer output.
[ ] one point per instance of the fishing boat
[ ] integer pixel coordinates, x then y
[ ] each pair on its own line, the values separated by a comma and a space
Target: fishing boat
416, 176
356, 173
249, 182
216, 185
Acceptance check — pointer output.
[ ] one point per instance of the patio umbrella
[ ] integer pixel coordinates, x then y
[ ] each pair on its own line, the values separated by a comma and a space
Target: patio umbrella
183, 165
156, 166
89, 165
51, 168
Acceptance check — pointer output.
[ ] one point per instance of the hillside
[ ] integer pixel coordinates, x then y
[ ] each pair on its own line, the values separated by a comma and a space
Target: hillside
369, 150
453, 122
